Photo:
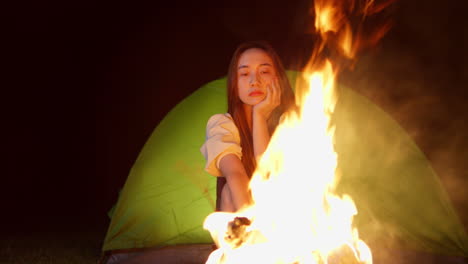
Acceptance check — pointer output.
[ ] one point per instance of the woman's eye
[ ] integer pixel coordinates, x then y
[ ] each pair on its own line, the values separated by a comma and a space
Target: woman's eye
243, 74
264, 72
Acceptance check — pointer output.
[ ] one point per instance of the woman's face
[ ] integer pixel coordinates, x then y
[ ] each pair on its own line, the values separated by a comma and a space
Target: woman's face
254, 71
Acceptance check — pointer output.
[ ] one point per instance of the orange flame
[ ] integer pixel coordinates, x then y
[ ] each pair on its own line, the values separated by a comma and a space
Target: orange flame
296, 217
335, 21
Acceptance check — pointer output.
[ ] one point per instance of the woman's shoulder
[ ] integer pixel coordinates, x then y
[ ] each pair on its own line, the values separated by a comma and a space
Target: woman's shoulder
219, 119
222, 138
222, 125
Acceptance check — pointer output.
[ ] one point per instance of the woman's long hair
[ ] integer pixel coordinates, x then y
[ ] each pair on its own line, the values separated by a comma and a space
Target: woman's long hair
235, 105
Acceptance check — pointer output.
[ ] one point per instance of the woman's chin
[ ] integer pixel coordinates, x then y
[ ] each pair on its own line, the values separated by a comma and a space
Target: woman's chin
255, 101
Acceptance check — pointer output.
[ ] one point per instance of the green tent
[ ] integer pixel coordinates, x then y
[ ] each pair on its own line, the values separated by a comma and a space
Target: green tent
168, 194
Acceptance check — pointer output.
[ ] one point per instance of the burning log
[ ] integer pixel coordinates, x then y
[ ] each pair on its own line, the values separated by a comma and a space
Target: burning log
236, 232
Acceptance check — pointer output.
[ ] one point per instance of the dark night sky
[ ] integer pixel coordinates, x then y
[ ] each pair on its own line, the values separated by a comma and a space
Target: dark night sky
90, 81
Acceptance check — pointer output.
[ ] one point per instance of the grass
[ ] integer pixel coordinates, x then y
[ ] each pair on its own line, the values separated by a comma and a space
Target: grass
51, 248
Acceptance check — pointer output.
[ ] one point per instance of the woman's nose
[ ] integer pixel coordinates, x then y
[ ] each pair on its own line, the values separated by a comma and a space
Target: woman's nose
254, 80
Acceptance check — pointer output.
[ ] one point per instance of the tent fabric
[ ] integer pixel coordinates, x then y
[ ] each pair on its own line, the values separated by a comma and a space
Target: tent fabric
168, 194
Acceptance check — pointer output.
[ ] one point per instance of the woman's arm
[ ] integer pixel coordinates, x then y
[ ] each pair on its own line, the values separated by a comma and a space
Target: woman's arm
260, 134
260, 114
237, 180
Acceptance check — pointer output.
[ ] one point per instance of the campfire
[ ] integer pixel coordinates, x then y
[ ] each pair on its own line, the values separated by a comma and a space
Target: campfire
296, 216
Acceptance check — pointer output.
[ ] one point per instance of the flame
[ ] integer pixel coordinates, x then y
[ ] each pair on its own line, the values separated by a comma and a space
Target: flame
296, 217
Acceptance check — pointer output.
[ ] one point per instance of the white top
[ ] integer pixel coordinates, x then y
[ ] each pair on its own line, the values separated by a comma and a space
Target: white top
222, 138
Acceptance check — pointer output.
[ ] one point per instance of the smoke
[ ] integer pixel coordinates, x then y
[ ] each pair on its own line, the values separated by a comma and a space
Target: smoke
416, 75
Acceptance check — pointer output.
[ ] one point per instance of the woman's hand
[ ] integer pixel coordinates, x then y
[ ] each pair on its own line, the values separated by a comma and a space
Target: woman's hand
261, 112
270, 102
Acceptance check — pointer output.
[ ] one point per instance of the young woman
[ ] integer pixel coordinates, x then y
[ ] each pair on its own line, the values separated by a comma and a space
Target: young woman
258, 94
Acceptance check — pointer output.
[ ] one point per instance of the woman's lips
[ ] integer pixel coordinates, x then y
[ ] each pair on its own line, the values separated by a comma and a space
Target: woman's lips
256, 93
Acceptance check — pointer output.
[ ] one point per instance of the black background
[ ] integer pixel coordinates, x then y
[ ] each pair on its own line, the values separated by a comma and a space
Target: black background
87, 82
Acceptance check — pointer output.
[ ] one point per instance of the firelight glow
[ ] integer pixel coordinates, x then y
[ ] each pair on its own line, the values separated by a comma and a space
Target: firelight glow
296, 217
